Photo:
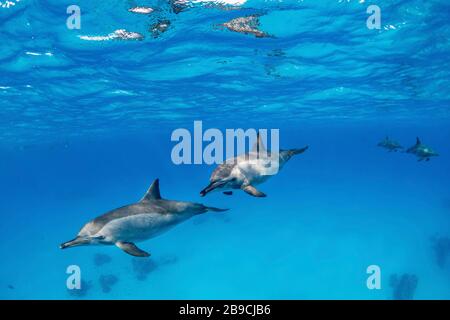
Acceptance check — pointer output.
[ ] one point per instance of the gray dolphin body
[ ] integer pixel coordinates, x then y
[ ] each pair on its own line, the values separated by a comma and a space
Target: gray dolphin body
422, 151
136, 222
247, 170
390, 145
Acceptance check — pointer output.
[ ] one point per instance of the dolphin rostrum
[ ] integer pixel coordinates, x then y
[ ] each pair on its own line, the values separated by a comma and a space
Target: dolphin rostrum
247, 170
139, 221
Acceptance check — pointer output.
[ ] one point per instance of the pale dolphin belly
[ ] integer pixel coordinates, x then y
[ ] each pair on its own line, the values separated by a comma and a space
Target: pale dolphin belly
139, 227
255, 171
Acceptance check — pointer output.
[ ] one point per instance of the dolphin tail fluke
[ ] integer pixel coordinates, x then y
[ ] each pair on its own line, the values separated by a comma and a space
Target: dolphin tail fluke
213, 209
293, 152
132, 249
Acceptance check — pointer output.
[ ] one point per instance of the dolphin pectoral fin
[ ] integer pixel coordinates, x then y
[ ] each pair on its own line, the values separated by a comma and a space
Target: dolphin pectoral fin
251, 190
132, 249
228, 193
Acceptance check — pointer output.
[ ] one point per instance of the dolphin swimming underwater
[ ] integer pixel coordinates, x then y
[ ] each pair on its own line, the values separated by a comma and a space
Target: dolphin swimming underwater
246, 25
247, 170
422, 151
178, 6
390, 145
146, 219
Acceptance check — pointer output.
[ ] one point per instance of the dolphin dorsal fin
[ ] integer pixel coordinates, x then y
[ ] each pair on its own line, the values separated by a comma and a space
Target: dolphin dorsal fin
418, 141
152, 192
259, 147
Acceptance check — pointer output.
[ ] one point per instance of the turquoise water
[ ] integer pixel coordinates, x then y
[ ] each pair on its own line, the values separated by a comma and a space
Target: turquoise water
86, 126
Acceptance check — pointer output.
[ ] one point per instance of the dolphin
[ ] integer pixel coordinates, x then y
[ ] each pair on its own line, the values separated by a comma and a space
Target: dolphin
246, 25
178, 6
247, 170
390, 145
422, 151
159, 27
120, 34
141, 10
146, 219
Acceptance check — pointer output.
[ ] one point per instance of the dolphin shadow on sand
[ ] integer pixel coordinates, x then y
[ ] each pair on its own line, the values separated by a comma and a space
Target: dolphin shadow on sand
441, 250
143, 267
107, 282
101, 259
403, 286
85, 287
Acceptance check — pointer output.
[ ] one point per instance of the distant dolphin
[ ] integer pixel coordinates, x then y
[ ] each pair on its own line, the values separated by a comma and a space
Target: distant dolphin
246, 25
247, 170
139, 221
159, 27
390, 145
422, 151
180, 5
120, 34
141, 10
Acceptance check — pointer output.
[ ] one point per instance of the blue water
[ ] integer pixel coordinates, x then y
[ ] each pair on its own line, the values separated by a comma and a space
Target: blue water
86, 126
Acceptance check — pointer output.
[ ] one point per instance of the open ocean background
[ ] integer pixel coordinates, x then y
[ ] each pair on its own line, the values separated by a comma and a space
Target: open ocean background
85, 127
